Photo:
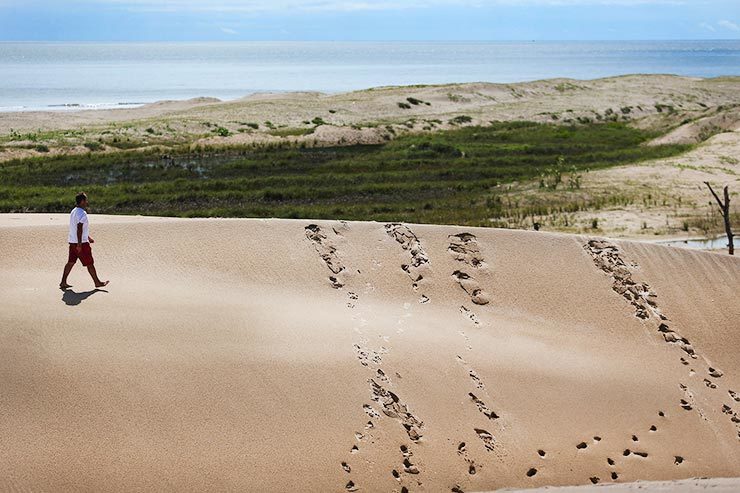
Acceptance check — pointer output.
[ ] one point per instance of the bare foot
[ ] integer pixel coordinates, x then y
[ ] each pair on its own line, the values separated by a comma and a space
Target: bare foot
64, 285
102, 284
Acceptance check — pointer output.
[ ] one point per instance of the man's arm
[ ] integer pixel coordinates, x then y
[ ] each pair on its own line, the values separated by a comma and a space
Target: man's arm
79, 237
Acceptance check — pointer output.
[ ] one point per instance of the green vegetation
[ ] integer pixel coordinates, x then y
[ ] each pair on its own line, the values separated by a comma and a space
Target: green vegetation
566, 86
459, 120
93, 146
291, 132
417, 102
458, 176
660, 108
457, 98
404, 106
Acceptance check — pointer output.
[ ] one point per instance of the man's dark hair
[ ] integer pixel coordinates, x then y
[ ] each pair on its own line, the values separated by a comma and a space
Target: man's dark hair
80, 197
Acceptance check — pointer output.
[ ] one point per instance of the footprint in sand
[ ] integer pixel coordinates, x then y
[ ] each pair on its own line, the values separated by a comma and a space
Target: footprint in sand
488, 440
715, 373
369, 356
394, 408
467, 313
352, 300
370, 411
409, 242
464, 248
471, 287
476, 379
482, 407
328, 253
462, 452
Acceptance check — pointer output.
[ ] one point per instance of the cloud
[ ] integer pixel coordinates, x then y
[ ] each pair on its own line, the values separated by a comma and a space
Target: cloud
228, 30
729, 25
707, 26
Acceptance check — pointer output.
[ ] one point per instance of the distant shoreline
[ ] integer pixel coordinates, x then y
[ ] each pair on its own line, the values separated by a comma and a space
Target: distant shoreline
85, 107
41, 76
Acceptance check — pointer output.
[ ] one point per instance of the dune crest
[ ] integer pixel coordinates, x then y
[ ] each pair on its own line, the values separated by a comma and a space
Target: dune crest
236, 354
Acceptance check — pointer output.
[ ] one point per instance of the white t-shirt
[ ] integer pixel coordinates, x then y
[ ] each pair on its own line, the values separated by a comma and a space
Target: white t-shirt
77, 216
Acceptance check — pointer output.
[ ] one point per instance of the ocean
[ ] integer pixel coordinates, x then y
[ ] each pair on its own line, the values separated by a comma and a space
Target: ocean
68, 76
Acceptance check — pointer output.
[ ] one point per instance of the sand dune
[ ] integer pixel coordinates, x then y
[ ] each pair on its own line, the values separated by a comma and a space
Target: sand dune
277, 355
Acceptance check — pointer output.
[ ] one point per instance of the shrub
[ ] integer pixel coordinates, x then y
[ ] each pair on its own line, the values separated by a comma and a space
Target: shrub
664, 107
42, 148
460, 120
318, 121
404, 106
439, 149
415, 101
93, 146
553, 176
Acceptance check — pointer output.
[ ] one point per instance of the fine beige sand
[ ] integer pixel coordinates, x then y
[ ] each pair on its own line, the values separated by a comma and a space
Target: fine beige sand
716, 485
296, 355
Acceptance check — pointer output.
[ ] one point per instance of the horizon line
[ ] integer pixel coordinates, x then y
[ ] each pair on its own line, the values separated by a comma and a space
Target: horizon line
227, 41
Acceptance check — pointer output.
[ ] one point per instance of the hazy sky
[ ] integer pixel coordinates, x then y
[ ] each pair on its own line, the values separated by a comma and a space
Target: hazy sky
149, 20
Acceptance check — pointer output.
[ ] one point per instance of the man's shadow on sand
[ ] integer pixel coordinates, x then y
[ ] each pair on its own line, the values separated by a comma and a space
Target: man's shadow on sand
73, 298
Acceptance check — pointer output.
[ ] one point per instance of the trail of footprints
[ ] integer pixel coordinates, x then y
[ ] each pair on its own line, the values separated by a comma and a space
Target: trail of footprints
464, 249
608, 258
612, 465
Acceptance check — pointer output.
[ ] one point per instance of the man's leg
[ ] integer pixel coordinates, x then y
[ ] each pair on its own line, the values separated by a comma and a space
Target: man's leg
67, 270
94, 275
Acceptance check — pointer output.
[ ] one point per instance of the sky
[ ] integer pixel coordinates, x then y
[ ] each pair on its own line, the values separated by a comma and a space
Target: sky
359, 20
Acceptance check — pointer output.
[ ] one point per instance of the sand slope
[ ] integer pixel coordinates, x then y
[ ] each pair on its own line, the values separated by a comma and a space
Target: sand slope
260, 355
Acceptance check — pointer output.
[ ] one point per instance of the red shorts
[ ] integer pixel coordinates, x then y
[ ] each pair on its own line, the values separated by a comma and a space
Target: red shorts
85, 254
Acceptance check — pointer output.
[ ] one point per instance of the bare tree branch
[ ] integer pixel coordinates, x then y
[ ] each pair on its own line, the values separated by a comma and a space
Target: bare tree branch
716, 197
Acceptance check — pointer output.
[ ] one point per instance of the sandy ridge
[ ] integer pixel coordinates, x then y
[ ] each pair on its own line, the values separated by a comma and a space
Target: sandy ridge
251, 354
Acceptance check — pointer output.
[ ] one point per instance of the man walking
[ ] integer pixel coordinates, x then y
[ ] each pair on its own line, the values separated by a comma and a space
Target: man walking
79, 243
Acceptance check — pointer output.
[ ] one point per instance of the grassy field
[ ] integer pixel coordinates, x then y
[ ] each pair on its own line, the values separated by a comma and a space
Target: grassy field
456, 176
